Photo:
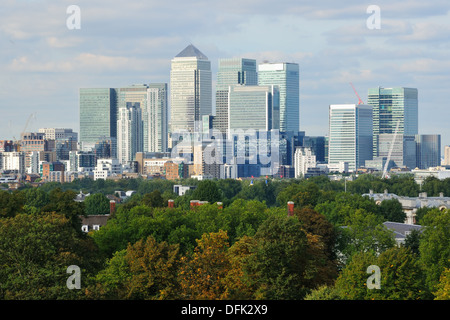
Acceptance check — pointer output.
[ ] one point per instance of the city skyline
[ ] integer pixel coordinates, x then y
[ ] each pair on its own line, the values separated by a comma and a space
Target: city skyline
330, 42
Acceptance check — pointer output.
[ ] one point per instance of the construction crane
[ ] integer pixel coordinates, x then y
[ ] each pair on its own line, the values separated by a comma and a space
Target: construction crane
359, 98
390, 151
19, 142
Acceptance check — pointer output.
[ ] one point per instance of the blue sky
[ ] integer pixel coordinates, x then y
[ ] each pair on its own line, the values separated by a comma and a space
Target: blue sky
43, 63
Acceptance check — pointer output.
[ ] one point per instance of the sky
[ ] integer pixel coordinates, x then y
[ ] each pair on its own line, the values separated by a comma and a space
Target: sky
43, 62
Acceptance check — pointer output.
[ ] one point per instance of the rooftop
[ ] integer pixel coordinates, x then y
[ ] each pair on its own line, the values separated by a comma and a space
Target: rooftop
191, 51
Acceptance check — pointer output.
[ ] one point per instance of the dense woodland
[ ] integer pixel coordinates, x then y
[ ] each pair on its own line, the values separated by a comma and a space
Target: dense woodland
247, 249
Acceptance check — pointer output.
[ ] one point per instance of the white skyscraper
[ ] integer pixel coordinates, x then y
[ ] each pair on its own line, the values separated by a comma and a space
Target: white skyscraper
157, 118
350, 134
129, 132
304, 159
190, 89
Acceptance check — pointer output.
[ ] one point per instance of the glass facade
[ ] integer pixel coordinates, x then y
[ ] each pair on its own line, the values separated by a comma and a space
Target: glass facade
403, 149
253, 107
191, 89
428, 148
392, 106
98, 114
233, 71
350, 134
287, 77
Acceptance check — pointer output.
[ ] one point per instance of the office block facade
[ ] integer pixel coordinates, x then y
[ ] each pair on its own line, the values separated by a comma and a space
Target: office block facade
233, 71
190, 89
98, 114
428, 150
287, 77
401, 149
253, 107
392, 106
350, 134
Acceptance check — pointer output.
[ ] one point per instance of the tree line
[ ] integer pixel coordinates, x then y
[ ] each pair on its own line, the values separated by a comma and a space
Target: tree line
246, 248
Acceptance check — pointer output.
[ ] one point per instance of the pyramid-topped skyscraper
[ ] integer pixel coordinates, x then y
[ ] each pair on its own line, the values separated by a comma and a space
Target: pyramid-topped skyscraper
190, 89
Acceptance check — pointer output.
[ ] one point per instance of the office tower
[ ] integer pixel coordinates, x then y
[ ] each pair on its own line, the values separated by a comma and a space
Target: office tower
98, 115
105, 148
350, 134
156, 118
317, 145
286, 77
129, 132
190, 89
304, 159
253, 107
402, 149
428, 148
233, 71
392, 106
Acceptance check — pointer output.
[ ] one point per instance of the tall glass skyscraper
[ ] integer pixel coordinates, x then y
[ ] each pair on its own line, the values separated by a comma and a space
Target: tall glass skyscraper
392, 106
286, 76
350, 134
190, 89
98, 114
233, 71
253, 107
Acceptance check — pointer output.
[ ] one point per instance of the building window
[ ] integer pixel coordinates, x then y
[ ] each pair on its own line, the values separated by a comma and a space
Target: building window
85, 228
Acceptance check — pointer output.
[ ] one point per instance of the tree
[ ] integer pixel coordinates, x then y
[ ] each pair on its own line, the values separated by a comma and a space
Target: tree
392, 210
35, 252
153, 199
36, 197
11, 203
96, 204
352, 282
435, 245
207, 191
365, 232
202, 276
443, 287
279, 264
401, 276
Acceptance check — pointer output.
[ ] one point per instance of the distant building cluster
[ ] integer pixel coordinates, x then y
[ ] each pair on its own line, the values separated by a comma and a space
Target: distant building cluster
251, 128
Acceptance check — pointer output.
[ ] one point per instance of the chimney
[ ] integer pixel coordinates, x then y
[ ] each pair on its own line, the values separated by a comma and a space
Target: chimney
170, 203
112, 206
193, 203
290, 207
441, 194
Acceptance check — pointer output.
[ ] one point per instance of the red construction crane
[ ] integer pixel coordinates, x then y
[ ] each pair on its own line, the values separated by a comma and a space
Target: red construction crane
359, 98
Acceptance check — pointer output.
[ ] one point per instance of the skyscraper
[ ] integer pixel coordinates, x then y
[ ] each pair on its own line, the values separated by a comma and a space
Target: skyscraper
190, 89
156, 118
253, 107
392, 106
233, 71
286, 77
98, 114
129, 132
428, 148
402, 149
350, 134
